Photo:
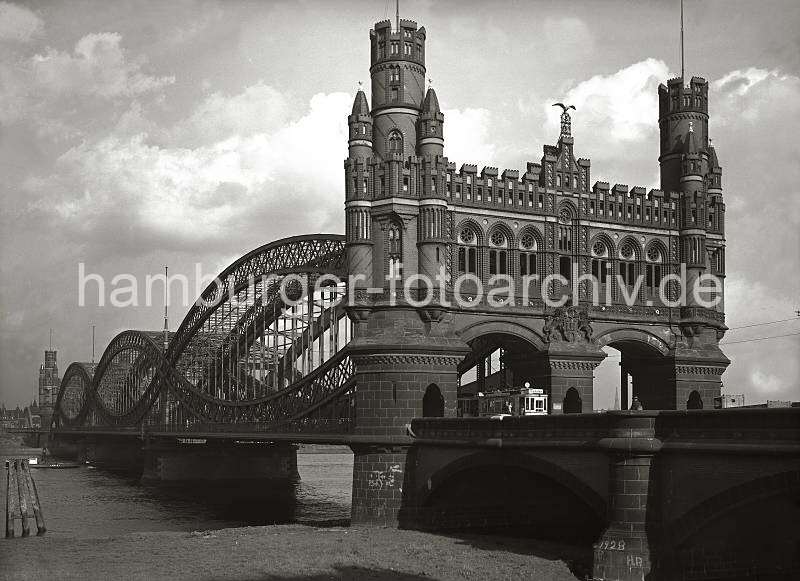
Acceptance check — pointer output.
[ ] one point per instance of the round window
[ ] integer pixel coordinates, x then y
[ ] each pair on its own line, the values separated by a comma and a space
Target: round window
626, 251
498, 238
467, 236
528, 241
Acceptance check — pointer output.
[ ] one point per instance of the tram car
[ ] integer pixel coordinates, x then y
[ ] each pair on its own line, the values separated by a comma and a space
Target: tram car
525, 401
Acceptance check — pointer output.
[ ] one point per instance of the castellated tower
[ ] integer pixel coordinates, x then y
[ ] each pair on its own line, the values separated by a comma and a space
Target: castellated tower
397, 69
574, 265
689, 167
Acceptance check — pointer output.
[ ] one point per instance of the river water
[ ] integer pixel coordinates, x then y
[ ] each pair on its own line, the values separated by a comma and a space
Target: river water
89, 502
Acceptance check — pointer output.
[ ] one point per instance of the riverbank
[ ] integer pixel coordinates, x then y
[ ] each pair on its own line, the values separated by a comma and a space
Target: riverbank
289, 552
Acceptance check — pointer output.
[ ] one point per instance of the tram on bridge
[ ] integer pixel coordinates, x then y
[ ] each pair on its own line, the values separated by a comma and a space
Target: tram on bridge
508, 401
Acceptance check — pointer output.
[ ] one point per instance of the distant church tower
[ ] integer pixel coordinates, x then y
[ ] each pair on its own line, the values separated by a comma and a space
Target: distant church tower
49, 382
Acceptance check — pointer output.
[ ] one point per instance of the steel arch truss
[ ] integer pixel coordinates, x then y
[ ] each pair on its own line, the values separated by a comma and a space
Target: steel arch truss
255, 352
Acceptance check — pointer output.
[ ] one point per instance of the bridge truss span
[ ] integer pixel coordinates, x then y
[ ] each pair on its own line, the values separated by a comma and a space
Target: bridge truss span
263, 349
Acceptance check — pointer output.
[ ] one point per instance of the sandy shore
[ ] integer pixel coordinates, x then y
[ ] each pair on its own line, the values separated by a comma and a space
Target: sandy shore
286, 552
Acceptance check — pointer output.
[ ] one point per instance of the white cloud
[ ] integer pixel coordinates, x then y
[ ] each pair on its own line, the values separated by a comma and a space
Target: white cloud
99, 66
621, 107
614, 123
18, 24
766, 383
131, 192
258, 109
466, 137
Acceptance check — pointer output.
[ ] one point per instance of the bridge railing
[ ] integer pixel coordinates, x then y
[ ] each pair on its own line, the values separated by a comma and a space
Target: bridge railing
576, 429
743, 428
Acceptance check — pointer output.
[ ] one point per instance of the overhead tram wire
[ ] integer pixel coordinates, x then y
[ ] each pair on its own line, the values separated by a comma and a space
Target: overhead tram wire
759, 339
764, 323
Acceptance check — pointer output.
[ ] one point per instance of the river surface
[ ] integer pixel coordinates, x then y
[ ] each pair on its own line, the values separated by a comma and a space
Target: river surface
88, 502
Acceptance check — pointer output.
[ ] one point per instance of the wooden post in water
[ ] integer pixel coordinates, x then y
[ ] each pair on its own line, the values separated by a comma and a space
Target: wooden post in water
13, 495
37, 509
23, 497
9, 518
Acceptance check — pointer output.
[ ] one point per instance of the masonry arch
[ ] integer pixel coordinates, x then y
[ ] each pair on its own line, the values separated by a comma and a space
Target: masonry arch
513, 493
752, 522
499, 360
643, 366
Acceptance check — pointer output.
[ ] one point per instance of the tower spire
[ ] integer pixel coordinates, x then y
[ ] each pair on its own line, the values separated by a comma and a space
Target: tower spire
397, 15
682, 67
51, 338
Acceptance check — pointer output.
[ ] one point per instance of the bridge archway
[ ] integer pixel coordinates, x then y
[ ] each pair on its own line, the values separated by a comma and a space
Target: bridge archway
517, 494
498, 360
641, 362
754, 522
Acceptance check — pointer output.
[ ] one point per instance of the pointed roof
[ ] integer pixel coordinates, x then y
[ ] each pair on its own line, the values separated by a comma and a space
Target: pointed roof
712, 155
360, 106
431, 102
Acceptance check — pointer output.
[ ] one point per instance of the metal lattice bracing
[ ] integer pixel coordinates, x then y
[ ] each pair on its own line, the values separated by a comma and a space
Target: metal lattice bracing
255, 352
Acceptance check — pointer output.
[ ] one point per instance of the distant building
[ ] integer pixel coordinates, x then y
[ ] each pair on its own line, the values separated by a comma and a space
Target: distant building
49, 382
728, 401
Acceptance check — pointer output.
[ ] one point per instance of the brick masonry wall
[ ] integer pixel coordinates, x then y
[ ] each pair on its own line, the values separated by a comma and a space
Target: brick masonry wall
379, 476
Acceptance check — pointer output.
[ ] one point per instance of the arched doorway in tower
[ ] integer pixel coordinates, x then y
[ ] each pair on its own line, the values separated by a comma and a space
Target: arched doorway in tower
493, 375
433, 402
695, 402
572, 402
636, 365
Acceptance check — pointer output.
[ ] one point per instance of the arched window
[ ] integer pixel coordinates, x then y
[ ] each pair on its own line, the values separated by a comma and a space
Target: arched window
565, 243
467, 251
395, 142
527, 254
653, 269
565, 231
394, 252
627, 264
498, 255
432, 402
601, 263
394, 75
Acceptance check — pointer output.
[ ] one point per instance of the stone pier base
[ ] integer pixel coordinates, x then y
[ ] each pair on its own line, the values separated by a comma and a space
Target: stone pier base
378, 481
198, 461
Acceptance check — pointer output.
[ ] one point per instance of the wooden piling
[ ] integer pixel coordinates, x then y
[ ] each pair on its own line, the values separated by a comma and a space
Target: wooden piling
9, 516
22, 499
22, 488
35, 504
12, 495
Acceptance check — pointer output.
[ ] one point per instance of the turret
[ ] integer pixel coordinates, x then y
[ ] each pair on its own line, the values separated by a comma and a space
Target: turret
398, 80
360, 125
678, 107
430, 136
692, 210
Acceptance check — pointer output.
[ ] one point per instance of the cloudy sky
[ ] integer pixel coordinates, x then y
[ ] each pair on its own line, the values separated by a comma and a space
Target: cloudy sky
138, 134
